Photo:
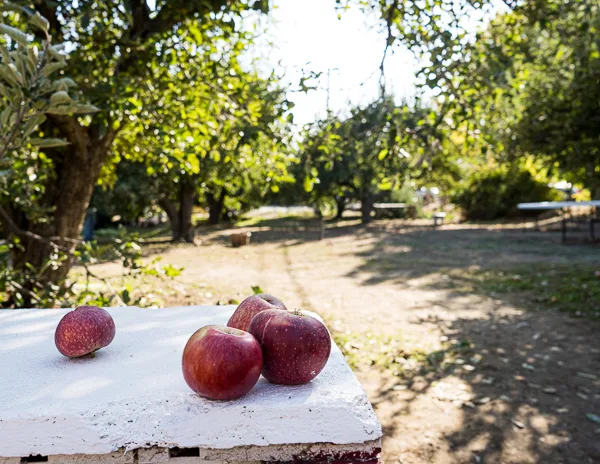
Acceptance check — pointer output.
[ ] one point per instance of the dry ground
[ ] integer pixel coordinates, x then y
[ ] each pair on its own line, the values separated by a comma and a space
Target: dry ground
455, 375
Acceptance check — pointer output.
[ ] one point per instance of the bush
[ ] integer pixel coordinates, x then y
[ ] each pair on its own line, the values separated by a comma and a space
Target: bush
493, 193
131, 197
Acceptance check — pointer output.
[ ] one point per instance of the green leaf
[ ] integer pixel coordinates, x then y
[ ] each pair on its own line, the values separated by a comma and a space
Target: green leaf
52, 67
308, 184
172, 271
85, 109
48, 143
324, 149
256, 289
15, 34
385, 184
60, 98
40, 22
32, 124
382, 154
593, 418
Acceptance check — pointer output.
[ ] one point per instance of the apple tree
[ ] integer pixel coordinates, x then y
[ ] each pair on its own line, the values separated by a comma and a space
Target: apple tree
217, 134
377, 148
532, 89
113, 48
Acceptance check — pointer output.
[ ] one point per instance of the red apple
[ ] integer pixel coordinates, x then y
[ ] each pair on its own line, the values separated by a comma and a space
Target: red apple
250, 307
295, 346
221, 363
84, 330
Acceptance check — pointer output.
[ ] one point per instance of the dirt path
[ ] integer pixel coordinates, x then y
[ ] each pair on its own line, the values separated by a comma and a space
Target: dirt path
491, 382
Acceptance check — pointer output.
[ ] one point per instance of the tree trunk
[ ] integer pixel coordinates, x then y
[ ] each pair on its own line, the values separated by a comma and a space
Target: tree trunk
366, 208
180, 216
186, 205
340, 203
168, 207
215, 206
76, 170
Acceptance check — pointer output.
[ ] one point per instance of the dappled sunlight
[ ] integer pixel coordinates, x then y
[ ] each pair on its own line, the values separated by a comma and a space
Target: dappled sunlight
30, 328
83, 387
19, 343
496, 405
173, 342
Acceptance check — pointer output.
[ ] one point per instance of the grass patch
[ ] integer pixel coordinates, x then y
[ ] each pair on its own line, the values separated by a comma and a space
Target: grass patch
572, 288
277, 220
404, 359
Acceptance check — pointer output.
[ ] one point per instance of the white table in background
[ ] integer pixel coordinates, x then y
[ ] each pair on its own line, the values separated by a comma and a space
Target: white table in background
565, 207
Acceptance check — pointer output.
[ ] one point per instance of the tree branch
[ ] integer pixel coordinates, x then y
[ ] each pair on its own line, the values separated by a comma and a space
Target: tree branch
388, 42
173, 14
14, 229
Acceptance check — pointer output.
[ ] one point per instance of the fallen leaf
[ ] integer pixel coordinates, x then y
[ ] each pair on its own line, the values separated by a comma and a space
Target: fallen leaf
476, 359
550, 390
518, 423
585, 375
593, 418
527, 366
485, 400
582, 396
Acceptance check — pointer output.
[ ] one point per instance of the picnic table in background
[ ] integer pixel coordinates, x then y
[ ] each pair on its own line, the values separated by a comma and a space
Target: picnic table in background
565, 208
382, 208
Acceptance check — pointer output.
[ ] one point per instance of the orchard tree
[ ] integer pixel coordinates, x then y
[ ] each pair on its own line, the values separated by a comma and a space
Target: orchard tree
217, 132
524, 83
250, 155
114, 45
377, 148
31, 92
533, 89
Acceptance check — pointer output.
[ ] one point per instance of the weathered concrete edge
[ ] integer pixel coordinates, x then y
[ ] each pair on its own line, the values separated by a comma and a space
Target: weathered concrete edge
367, 452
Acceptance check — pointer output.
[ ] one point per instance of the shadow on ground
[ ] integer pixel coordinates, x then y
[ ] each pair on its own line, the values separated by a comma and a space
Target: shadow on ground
412, 252
518, 390
513, 386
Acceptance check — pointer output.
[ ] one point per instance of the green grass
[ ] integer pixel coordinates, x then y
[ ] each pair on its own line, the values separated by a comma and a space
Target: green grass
569, 288
402, 357
144, 233
278, 220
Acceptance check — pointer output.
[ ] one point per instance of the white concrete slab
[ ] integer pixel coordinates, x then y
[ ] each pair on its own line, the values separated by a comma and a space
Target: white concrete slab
133, 395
